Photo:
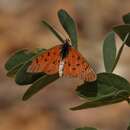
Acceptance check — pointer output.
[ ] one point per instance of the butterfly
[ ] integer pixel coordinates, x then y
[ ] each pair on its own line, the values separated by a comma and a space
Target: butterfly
65, 60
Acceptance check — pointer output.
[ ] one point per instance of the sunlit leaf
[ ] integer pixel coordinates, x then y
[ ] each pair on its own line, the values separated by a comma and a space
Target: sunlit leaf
39, 84
126, 18
69, 26
86, 128
109, 51
53, 31
122, 31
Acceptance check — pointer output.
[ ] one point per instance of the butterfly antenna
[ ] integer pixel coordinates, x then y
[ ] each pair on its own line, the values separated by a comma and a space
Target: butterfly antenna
63, 35
67, 38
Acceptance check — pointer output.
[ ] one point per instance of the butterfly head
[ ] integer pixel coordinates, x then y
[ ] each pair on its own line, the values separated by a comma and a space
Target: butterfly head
65, 49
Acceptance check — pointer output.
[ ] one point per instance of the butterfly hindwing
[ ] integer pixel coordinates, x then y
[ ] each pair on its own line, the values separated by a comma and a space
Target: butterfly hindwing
77, 66
47, 62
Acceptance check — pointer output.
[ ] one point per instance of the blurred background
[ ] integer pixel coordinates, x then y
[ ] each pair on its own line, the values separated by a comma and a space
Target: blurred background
20, 27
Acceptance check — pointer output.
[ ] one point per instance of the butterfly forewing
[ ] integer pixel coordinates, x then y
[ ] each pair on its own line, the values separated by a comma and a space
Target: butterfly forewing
47, 62
77, 66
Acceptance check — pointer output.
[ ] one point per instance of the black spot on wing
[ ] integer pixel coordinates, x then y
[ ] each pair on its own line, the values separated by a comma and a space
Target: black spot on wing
78, 58
73, 68
54, 62
77, 64
45, 59
48, 53
37, 60
69, 64
54, 53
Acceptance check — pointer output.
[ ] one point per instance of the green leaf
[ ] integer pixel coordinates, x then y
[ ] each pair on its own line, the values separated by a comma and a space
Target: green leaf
87, 90
86, 128
95, 92
120, 52
106, 100
17, 60
109, 51
12, 72
23, 77
122, 31
18, 57
38, 51
39, 84
128, 127
105, 84
69, 26
53, 31
109, 88
126, 18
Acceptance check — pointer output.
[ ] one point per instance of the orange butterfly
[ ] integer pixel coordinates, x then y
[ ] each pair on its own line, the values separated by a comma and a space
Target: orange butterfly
65, 60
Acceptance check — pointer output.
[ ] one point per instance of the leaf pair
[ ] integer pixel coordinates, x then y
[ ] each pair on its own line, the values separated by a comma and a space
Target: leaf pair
109, 47
109, 51
107, 89
69, 26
